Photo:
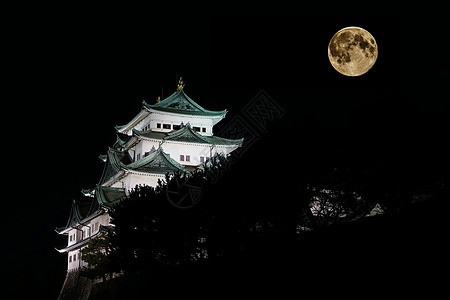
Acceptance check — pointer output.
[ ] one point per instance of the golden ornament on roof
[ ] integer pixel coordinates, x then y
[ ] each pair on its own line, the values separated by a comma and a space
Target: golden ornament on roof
180, 83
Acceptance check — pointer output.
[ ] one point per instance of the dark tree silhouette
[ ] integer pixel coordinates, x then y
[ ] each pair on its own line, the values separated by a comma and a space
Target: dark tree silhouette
99, 257
172, 224
215, 215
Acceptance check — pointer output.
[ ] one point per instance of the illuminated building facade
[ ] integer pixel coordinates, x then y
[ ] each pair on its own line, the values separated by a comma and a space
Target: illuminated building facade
174, 134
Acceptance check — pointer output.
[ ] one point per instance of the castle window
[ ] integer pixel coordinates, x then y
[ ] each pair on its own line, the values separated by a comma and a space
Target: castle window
202, 159
74, 257
176, 127
197, 129
158, 125
203, 129
188, 158
70, 258
181, 157
166, 126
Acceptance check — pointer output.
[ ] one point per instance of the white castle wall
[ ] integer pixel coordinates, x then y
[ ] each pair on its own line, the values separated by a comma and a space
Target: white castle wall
134, 179
144, 146
152, 120
176, 149
194, 151
83, 232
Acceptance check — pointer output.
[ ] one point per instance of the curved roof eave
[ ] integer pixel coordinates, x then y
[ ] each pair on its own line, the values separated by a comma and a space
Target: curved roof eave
180, 103
139, 117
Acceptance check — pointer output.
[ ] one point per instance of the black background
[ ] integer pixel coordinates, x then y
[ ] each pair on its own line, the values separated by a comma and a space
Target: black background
76, 74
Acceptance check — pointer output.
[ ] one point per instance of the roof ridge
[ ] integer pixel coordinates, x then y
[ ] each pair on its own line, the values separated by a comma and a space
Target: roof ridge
216, 140
151, 157
103, 199
168, 104
186, 128
157, 135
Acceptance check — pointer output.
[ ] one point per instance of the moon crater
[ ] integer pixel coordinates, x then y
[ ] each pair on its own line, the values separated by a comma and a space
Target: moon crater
352, 51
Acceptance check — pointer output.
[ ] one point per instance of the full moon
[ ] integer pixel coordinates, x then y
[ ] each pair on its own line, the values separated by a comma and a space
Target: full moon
352, 51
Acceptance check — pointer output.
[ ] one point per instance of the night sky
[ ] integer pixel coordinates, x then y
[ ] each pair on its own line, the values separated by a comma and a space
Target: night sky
80, 74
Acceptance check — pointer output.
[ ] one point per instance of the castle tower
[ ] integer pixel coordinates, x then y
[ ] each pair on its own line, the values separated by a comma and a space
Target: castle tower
174, 134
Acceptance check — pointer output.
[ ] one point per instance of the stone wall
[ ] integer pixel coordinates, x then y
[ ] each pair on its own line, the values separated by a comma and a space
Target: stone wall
75, 287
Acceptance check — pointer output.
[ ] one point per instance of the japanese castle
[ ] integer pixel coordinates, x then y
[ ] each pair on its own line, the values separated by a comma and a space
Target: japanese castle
174, 134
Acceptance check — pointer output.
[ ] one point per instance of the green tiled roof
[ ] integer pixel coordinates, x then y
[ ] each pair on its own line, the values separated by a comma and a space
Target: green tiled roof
74, 216
79, 211
108, 196
215, 140
180, 103
114, 162
187, 134
150, 134
103, 197
177, 103
121, 140
156, 162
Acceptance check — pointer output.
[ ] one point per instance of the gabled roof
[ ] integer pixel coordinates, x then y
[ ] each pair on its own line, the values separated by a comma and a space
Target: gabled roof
177, 103
187, 134
180, 103
121, 140
74, 217
149, 134
114, 163
156, 162
108, 196
81, 210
